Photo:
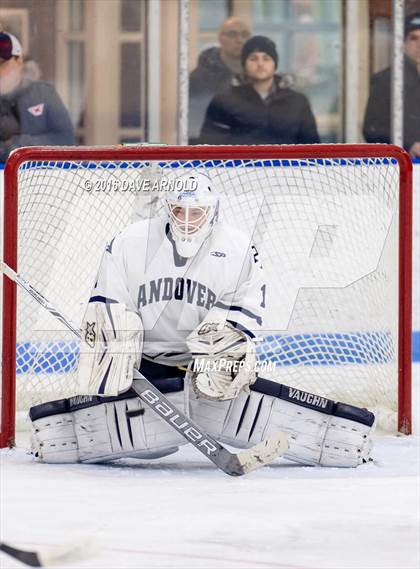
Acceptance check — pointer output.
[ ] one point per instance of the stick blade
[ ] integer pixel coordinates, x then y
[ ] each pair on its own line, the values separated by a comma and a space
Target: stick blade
29, 558
50, 556
260, 454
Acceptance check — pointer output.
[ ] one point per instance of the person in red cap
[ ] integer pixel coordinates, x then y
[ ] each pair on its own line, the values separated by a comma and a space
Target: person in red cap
264, 109
377, 123
31, 112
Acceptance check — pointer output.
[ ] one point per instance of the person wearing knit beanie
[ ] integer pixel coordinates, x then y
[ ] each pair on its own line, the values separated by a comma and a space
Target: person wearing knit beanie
411, 24
377, 121
263, 109
259, 61
259, 44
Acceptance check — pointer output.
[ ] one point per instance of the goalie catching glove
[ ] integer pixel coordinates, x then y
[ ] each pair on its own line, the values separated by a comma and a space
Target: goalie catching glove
223, 361
112, 340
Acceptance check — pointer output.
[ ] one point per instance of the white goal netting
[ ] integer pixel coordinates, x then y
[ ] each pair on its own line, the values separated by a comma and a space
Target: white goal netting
326, 230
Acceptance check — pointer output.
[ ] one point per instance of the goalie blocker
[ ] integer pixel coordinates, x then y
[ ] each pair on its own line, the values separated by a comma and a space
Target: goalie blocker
96, 429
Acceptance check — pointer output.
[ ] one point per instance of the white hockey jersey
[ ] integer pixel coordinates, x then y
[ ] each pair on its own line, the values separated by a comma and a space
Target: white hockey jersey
141, 269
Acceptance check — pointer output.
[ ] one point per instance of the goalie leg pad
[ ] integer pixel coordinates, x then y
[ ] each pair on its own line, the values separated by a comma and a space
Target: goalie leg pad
320, 431
53, 437
86, 429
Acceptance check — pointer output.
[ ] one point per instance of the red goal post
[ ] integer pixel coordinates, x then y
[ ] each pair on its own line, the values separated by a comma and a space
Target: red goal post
319, 344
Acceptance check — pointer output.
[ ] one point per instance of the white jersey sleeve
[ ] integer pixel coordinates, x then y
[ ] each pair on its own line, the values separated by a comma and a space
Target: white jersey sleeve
111, 281
244, 306
112, 332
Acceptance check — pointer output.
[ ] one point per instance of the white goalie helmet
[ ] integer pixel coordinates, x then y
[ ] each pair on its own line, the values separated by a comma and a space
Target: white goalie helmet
193, 209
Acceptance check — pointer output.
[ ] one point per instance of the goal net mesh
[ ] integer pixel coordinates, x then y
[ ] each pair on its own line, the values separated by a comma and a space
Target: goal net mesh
326, 231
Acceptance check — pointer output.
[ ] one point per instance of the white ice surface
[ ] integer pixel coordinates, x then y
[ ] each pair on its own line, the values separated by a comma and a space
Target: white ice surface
182, 512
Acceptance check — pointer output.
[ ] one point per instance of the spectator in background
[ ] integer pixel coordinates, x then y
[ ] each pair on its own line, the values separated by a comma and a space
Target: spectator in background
31, 112
31, 69
217, 67
377, 123
263, 110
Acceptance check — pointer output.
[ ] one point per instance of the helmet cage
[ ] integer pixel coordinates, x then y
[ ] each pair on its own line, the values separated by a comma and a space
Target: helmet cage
200, 208
195, 220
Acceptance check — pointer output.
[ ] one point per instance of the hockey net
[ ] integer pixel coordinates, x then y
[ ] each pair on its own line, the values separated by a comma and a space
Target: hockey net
331, 223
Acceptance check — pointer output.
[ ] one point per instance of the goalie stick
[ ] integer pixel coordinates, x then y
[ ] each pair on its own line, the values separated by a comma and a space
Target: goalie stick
231, 463
45, 557
30, 558
234, 464
37, 296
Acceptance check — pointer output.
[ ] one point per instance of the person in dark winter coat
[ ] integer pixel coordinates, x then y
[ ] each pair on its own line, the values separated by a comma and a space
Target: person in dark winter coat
262, 110
217, 68
31, 112
377, 123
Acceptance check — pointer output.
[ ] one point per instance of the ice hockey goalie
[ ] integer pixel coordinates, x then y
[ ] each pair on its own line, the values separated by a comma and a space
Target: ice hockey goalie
181, 296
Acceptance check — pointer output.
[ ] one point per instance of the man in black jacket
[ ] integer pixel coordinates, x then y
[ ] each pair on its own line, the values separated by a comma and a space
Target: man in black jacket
377, 123
263, 110
217, 67
31, 112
